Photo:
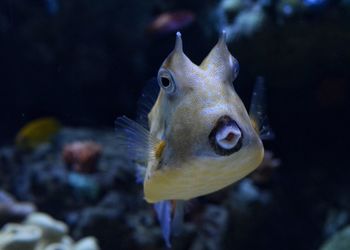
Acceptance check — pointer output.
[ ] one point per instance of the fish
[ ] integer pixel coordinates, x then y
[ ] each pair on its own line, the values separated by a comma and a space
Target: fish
36, 132
314, 3
193, 135
52, 7
171, 21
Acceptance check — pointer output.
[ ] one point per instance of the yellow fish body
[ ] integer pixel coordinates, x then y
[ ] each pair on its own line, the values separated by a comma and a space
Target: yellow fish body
201, 138
37, 132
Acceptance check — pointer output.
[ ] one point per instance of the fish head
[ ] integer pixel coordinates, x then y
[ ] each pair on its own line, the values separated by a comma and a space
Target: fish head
209, 139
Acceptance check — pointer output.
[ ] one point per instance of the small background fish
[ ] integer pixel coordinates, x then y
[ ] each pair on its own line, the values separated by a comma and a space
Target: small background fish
169, 22
37, 132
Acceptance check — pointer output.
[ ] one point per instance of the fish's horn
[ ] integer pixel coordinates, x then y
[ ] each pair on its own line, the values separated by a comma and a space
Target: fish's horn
178, 43
177, 61
220, 59
222, 38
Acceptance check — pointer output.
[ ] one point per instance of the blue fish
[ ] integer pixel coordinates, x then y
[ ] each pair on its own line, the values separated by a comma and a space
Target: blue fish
314, 3
52, 6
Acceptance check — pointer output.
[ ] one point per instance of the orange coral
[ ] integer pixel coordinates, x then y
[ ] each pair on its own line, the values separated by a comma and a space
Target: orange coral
82, 156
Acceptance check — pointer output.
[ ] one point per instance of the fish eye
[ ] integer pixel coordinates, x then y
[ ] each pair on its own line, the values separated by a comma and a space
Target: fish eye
226, 137
166, 81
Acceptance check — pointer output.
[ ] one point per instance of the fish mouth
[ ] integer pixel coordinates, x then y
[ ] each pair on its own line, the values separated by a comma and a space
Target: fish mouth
226, 136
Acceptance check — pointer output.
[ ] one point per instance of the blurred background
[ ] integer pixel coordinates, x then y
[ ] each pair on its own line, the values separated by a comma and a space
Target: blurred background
77, 65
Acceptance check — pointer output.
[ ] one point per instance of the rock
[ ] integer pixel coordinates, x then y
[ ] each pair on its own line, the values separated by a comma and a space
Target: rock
41, 232
88, 243
145, 232
65, 244
110, 211
19, 237
58, 246
10, 209
83, 186
52, 230
214, 225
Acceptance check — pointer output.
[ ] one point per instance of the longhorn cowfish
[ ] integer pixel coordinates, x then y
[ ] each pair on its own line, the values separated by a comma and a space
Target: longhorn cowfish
196, 137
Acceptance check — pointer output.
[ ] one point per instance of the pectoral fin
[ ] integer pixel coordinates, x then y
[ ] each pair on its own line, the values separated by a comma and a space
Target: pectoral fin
163, 211
136, 142
170, 215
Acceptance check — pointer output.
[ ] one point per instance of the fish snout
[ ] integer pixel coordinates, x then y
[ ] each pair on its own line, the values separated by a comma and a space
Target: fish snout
226, 136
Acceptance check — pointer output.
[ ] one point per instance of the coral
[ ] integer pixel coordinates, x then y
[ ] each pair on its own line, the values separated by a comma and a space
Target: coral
104, 220
144, 228
243, 18
336, 219
339, 241
118, 216
82, 155
84, 186
248, 17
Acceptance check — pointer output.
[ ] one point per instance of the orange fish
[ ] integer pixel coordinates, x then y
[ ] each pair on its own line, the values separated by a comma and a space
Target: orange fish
169, 22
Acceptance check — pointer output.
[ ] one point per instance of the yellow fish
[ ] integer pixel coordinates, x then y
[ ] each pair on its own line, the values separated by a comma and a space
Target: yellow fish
199, 137
36, 132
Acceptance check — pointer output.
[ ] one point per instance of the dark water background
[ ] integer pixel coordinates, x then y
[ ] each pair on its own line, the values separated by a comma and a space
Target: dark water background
87, 64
